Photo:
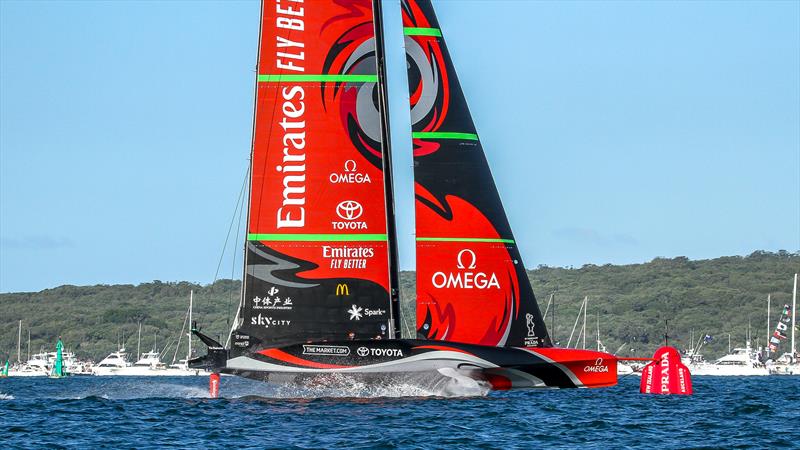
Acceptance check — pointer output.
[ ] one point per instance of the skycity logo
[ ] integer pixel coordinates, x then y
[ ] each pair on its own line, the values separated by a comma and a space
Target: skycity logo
465, 277
267, 321
351, 175
349, 211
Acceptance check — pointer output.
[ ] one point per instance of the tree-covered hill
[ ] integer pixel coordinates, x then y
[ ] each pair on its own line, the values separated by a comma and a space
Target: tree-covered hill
716, 297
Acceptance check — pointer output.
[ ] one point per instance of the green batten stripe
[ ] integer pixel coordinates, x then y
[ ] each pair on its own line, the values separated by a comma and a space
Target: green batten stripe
414, 31
445, 239
444, 135
316, 237
318, 78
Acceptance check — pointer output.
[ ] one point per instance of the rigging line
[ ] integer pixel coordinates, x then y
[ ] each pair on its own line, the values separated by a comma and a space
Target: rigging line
576, 324
235, 252
227, 237
406, 324
180, 335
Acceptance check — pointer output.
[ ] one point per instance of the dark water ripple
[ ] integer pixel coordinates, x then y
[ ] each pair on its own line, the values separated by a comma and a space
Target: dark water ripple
116, 413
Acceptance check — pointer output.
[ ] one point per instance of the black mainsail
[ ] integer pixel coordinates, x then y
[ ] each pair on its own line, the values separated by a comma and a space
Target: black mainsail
471, 283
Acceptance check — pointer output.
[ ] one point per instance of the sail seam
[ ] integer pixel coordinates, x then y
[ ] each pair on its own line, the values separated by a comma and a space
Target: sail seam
463, 239
421, 31
353, 78
316, 237
444, 135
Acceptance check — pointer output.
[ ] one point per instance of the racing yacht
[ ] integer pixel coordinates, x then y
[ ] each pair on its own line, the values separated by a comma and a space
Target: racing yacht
320, 292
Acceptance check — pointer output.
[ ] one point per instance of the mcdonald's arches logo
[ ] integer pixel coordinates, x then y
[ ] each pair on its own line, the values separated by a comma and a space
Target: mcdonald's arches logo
342, 289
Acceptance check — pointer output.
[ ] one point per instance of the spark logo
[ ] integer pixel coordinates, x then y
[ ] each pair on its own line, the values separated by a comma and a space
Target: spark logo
355, 312
465, 277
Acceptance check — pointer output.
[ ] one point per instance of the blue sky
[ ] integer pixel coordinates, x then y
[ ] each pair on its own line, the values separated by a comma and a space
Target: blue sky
617, 131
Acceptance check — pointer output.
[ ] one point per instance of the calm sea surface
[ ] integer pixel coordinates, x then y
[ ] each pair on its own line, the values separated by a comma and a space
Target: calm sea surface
90, 412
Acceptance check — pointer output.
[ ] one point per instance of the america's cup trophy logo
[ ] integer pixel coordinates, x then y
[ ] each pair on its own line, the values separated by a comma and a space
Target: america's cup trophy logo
531, 324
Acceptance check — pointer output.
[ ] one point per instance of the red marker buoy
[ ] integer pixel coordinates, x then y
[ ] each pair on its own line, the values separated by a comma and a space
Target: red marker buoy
213, 385
666, 374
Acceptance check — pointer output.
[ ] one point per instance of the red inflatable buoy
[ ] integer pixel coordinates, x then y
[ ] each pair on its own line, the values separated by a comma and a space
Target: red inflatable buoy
666, 374
213, 385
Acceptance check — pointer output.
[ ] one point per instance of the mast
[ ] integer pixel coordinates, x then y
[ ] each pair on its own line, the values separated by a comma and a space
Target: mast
19, 343
794, 315
553, 321
585, 307
766, 344
139, 342
29, 344
189, 355
388, 189
598, 330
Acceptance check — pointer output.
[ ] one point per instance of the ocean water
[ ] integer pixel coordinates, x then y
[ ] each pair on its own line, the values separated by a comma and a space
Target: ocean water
337, 412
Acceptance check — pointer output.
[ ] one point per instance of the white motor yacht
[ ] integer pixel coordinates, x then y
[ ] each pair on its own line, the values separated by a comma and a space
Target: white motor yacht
740, 362
112, 364
27, 370
787, 364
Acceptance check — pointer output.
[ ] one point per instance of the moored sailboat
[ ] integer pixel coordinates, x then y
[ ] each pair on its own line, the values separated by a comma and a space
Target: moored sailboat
320, 292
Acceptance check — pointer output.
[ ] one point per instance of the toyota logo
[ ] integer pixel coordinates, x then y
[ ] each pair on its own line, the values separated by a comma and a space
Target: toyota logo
349, 210
362, 351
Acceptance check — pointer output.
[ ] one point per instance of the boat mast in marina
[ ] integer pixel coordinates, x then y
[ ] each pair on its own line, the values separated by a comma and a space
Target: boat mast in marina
769, 331
189, 352
19, 343
794, 316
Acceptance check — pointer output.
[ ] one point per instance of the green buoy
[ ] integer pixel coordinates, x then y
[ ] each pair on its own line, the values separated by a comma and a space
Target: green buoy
58, 367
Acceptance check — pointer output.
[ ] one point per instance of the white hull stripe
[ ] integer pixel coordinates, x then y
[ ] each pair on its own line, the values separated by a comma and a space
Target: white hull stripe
417, 363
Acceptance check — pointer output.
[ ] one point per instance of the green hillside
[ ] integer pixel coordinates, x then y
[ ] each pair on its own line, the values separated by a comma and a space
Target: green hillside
716, 296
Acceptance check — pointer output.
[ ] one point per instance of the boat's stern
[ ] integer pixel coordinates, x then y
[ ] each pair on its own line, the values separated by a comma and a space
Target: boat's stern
585, 368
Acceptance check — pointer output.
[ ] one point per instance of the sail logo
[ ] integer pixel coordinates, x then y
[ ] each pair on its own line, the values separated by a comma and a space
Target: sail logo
598, 367
355, 312
466, 277
266, 321
326, 350
529, 322
292, 213
347, 257
349, 211
273, 303
350, 175
342, 289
